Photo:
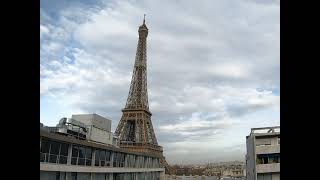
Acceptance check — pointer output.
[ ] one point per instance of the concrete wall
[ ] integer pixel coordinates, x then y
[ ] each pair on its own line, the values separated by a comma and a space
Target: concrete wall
95, 120
71, 168
250, 158
47, 175
268, 168
267, 140
268, 149
99, 135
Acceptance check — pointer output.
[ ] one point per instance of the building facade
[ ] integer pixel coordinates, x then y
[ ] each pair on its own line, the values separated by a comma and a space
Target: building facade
232, 170
263, 154
69, 152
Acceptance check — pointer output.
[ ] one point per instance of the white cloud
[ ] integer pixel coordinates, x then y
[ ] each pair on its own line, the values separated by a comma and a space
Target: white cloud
43, 30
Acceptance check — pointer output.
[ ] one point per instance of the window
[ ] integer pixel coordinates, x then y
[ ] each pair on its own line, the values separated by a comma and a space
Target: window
277, 158
83, 176
265, 160
264, 176
115, 160
53, 152
73, 176
51, 175
130, 161
45, 146
44, 151
63, 154
108, 155
102, 157
75, 152
81, 159
96, 162
88, 156
117, 176
81, 156
101, 176
57, 175
263, 142
118, 159
268, 158
122, 159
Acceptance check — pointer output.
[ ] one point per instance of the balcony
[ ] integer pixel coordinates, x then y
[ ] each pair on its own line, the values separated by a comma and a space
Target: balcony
268, 149
268, 168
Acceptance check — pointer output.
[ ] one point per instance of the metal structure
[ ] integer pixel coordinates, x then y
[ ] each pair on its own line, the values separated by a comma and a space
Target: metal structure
135, 130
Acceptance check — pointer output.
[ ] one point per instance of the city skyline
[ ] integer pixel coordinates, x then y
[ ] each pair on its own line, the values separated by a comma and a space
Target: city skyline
213, 69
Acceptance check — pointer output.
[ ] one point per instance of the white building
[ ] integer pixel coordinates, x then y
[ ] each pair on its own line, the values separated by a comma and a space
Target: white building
263, 154
99, 128
81, 148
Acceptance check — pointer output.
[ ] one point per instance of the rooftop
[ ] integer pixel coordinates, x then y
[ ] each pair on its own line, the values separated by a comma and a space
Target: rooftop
265, 130
57, 137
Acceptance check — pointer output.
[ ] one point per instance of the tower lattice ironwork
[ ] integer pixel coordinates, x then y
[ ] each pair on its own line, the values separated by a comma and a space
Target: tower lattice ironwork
135, 131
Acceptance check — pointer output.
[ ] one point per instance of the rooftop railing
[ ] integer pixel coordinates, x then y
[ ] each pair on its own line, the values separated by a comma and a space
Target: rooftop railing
127, 143
274, 129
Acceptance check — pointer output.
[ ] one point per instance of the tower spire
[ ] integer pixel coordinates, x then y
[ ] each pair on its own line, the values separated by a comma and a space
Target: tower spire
144, 19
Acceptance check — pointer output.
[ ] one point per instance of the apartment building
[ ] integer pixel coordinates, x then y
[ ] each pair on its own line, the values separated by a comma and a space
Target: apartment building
263, 154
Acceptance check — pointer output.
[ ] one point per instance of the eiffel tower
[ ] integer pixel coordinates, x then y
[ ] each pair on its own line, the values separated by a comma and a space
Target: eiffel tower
135, 130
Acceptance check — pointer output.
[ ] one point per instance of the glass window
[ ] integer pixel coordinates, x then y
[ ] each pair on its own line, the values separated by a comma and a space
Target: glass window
88, 156
49, 175
75, 151
74, 157
97, 157
88, 162
102, 157
123, 159
277, 158
83, 176
115, 159
45, 146
54, 152
62, 176
64, 149
81, 152
265, 160
57, 175
268, 158
108, 158
100, 176
53, 158
73, 176
117, 176
81, 159
63, 158
264, 177
108, 155
88, 153
44, 151
55, 148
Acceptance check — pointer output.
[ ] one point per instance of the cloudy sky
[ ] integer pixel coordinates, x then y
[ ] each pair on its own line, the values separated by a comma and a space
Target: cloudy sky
213, 68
